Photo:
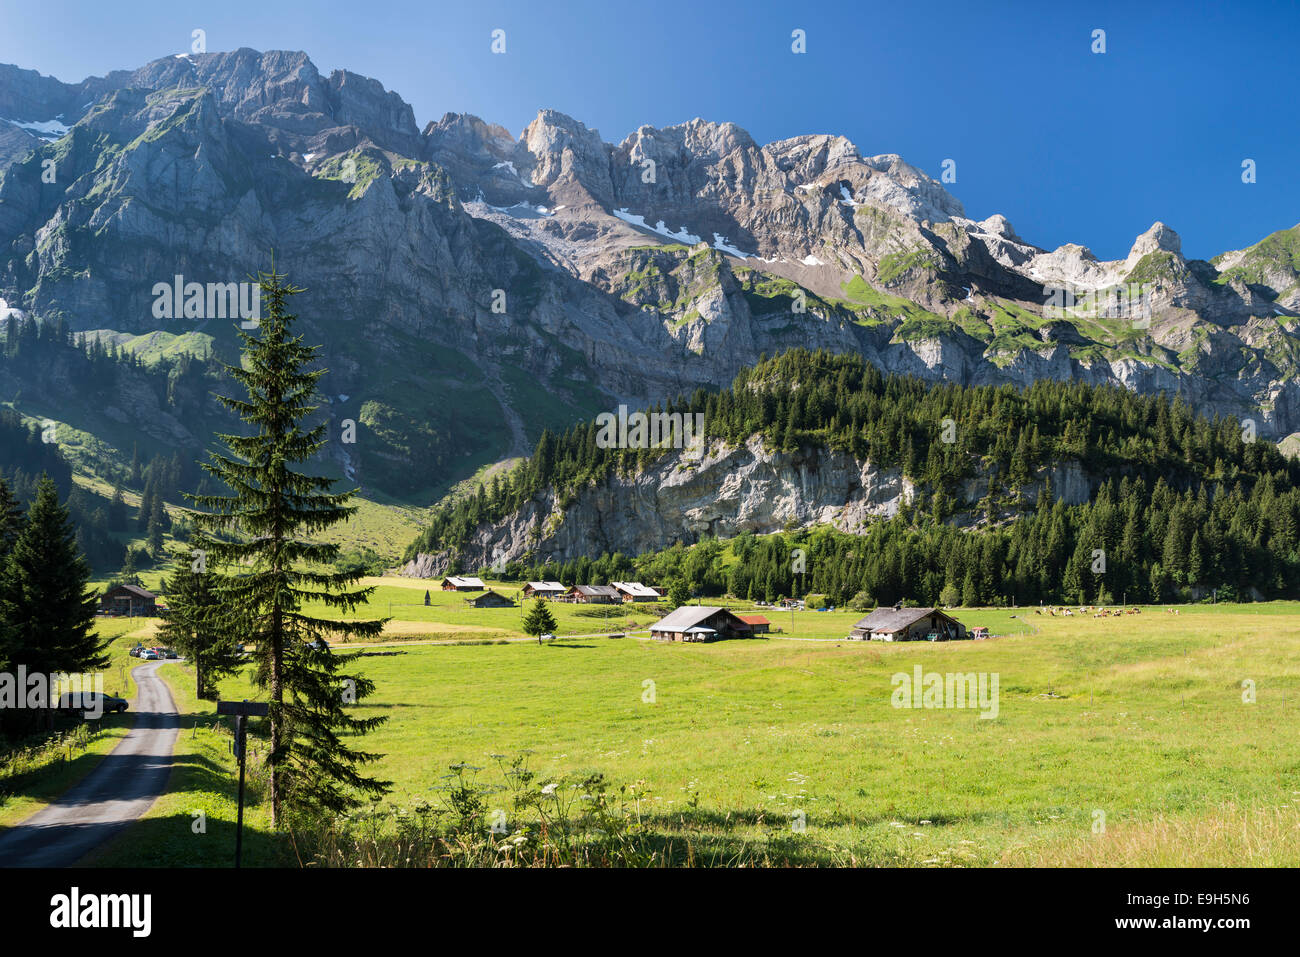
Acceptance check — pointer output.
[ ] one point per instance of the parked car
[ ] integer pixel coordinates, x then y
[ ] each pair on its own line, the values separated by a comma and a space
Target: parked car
167, 653
91, 701
135, 652
545, 636
148, 654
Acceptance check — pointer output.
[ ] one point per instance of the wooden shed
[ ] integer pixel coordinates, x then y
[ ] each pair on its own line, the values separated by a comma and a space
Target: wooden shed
129, 600
490, 599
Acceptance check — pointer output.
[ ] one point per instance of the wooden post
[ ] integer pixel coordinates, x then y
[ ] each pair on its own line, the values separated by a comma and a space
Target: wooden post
241, 710
241, 747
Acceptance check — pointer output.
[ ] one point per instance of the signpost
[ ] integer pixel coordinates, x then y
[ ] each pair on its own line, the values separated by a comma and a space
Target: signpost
241, 710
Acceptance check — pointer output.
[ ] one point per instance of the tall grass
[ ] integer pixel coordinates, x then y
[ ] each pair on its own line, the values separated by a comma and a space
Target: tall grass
518, 821
1226, 836
37, 754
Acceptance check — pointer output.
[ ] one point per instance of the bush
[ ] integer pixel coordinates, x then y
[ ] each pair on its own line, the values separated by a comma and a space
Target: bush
862, 601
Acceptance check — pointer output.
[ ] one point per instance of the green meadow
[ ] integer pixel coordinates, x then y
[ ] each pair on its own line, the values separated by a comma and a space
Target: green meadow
1146, 739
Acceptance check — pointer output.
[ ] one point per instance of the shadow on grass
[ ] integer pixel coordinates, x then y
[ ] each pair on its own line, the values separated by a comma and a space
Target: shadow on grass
172, 841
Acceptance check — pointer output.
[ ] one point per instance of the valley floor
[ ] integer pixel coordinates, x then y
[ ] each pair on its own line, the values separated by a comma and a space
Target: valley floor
1151, 739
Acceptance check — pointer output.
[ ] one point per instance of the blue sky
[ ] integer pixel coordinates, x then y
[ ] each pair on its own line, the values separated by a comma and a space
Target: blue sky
1070, 145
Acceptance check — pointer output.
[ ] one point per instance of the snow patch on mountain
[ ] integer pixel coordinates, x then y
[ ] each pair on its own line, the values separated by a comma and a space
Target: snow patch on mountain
509, 167
720, 243
681, 236
45, 129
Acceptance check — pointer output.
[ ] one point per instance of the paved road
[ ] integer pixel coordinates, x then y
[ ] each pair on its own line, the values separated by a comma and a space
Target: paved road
123, 786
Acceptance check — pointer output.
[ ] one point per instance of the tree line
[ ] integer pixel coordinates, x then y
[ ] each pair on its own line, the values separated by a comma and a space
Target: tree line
1132, 543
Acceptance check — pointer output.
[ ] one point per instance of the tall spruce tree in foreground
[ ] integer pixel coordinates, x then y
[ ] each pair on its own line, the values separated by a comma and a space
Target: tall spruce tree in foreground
257, 536
47, 614
193, 625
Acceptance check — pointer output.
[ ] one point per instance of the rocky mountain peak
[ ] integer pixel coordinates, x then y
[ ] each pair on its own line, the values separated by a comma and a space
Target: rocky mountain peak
562, 148
1158, 238
999, 225
807, 157
911, 191
470, 135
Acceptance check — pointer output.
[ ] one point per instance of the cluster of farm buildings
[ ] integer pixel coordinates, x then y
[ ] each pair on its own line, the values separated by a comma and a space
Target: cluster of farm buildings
687, 623
615, 593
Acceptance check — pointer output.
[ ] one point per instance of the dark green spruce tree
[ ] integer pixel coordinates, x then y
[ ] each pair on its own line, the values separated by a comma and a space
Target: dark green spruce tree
11, 525
193, 627
11, 521
47, 612
258, 536
538, 619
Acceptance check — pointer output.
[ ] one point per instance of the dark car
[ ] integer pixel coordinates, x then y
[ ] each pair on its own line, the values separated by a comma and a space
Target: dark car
91, 701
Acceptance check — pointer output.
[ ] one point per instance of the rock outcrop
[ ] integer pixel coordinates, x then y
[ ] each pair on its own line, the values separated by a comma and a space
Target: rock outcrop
720, 492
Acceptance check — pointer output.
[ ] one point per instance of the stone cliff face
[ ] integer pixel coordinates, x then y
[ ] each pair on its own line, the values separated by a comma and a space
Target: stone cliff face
458, 267
721, 492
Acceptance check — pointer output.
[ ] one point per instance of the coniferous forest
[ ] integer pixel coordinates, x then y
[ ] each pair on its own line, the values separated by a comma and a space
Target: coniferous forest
1182, 505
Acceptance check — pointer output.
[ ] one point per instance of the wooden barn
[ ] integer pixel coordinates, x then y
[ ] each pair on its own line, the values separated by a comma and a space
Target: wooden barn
593, 595
700, 623
758, 625
129, 600
490, 599
454, 583
551, 590
908, 624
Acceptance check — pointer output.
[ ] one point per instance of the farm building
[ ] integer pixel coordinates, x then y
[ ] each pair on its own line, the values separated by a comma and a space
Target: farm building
700, 623
758, 625
490, 599
593, 595
453, 583
544, 590
907, 624
130, 600
635, 591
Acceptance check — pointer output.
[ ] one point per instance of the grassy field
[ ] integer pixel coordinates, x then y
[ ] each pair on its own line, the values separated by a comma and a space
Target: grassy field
794, 746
